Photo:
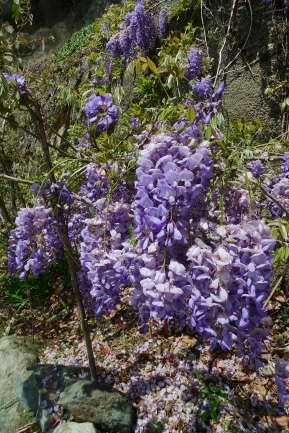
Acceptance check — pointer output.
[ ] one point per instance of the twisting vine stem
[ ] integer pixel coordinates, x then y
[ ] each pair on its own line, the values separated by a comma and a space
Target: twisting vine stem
229, 28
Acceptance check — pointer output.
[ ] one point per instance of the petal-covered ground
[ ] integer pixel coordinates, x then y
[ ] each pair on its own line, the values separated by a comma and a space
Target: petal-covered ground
174, 382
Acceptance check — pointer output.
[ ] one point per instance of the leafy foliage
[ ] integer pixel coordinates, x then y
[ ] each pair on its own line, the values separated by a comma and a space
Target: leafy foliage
156, 193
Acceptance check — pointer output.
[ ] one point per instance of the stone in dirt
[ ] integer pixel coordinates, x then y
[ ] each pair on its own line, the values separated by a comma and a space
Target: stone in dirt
74, 427
38, 386
107, 409
16, 355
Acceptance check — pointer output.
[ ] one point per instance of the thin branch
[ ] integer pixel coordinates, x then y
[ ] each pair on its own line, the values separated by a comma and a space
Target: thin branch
36, 115
16, 179
61, 151
204, 29
245, 43
154, 6
19, 126
263, 189
276, 286
225, 40
83, 199
59, 135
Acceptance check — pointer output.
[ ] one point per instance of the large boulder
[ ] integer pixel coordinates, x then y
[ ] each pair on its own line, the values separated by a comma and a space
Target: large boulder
74, 427
39, 386
16, 355
107, 409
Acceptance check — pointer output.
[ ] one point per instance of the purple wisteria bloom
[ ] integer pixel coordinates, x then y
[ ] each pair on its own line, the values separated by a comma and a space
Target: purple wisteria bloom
218, 93
279, 188
256, 168
163, 22
18, 82
282, 380
195, 60
285, 165
101, 110
134, 123
137, 30
230, 282
34, 243
203, 88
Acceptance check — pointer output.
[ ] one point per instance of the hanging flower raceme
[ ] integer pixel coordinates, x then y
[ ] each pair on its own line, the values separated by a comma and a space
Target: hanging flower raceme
106, 256
163, 23
282, 379
137, 30
34, 244
101, 110
172, 182
231, 281
279, 189
195, 61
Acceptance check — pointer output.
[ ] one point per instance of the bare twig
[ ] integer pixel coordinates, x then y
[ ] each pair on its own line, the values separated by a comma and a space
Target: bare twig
83, 199
17, 179
18, 126
276, 285
235, 2
263, 189
245, 43
204, 29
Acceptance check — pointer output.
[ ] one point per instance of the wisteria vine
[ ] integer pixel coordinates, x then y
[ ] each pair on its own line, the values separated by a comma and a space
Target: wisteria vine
162, 236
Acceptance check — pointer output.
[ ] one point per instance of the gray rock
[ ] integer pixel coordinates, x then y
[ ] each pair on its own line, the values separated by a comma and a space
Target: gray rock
91, 402
39, 386
74, 427
16, 354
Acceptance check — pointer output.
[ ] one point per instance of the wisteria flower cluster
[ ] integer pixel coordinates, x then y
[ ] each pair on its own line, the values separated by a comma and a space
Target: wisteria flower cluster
230, 284
34, 243
105, 256
282, 380
16, 81
195, 60
138, 30
203, 88
231, 203
279, 189
163, 22
101, 110
172, 182
256, 167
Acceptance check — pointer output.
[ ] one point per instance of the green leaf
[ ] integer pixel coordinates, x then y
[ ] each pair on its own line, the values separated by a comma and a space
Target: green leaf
16, 11
284, 104
137, 67
277, 256
166, 113
170, 81
8, 58
204, 415
191, 113
152, 65
158, 427
9, 29
274, 232
283, 233
283, 254
130, 69
118, 94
